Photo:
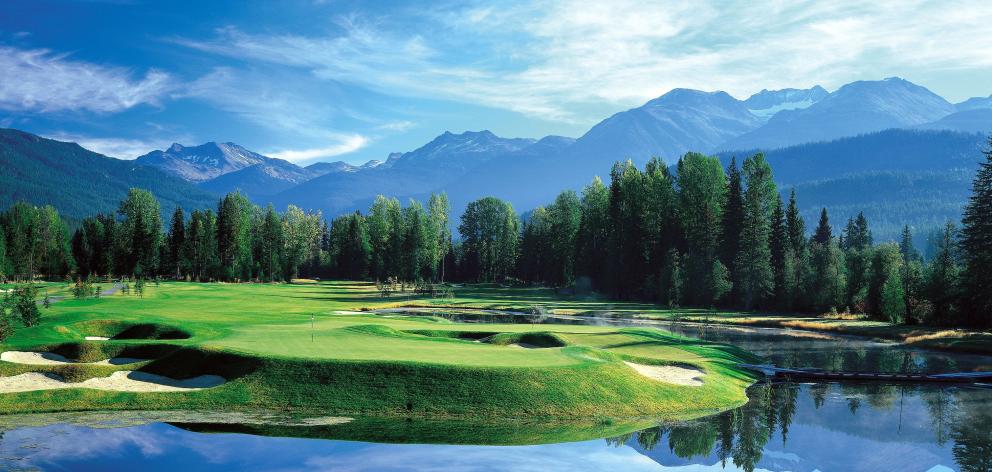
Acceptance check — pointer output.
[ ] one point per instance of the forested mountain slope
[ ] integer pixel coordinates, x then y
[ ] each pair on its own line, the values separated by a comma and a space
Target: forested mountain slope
79, 182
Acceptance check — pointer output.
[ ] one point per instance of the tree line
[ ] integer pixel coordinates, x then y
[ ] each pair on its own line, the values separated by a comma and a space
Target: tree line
699, 235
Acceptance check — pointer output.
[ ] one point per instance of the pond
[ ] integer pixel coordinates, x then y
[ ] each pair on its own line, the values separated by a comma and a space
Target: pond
784, 427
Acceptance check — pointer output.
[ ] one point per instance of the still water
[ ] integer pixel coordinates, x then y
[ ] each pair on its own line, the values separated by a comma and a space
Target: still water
785, 427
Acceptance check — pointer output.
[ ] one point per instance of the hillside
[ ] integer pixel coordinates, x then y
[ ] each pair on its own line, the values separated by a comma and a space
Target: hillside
897, 177
79, 182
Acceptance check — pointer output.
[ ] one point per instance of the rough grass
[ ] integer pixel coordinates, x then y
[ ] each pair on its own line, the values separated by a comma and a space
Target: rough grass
283, 346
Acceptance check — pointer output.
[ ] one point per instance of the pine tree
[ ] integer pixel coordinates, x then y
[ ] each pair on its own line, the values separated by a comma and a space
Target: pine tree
782, 259
177, 239
733, 218
626, 260
564, 215
856, 245
755, 278
702, 186
825, 282
140, 232
976, 247
886, 297
592, 237
943, 279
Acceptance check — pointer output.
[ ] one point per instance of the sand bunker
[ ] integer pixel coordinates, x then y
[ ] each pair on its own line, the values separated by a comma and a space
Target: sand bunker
97, 338
670, 374
121, 381
50, 358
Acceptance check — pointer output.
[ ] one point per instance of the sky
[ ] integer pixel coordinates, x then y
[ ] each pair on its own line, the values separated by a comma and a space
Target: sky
326, 80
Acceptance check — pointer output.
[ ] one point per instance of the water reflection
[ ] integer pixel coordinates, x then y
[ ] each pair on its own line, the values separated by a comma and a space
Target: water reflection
867, 427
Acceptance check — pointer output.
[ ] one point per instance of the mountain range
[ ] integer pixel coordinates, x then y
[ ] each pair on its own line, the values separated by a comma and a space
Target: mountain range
529, 172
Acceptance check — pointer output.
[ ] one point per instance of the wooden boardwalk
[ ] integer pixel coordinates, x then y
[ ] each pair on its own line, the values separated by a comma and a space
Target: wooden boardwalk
820, 374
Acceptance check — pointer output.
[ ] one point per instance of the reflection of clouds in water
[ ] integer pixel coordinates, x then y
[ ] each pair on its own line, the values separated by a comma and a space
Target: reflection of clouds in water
60, 446
49, 444
590, 455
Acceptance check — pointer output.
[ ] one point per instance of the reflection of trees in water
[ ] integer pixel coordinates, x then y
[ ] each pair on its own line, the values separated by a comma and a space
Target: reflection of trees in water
960, 415
971, 431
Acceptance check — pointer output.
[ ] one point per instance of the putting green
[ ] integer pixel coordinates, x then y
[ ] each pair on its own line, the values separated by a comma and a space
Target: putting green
288, 346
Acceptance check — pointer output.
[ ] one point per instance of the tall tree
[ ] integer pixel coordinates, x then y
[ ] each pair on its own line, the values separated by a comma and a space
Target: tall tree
976, 246
825, 282
593, 234
943, 278
857, 247
886, 296
379, 225
626, 256
140, 232
271, 245
564, 216
702, 185
662, 229
416, 256
733, 218
438, 237
755, 278
234, 213
177, 240
533, 262
301, 239
783, 259
489, 228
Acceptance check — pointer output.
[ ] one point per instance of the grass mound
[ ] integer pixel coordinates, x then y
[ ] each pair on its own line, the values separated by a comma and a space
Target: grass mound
531, 339
469, 335
114, 329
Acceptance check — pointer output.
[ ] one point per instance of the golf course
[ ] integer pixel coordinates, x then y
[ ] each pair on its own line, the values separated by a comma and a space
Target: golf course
342, 348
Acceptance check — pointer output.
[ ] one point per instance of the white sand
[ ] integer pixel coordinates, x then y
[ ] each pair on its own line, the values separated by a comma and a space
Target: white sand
50, 358
121, 381
670, 374
97, 338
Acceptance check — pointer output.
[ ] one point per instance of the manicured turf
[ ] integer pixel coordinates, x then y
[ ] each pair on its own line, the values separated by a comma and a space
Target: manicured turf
286, 346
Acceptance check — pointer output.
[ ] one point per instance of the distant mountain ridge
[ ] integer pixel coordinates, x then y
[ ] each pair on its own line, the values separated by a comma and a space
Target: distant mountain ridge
79, 182
856, 108
530, 172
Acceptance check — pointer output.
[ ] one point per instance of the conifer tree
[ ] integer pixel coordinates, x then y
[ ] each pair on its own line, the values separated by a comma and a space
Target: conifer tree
626, 258
825, 282
702, 185
976, 246
755, 279
733, 218
177, 240
592, 237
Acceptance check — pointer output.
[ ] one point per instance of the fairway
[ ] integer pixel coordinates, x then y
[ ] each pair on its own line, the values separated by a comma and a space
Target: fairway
311, 346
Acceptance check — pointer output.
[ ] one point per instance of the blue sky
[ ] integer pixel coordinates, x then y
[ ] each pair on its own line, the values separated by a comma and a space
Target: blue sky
352, 80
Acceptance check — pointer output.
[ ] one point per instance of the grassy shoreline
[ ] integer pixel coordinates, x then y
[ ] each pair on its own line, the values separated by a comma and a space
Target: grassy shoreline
526, 299
288, 347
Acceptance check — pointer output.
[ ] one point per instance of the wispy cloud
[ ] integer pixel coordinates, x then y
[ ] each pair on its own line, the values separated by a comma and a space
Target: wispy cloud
38, 80
556, 59
121, 148
345, 144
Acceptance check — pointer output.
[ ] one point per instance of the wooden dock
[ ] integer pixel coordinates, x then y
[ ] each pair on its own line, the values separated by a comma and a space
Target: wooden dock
821, 374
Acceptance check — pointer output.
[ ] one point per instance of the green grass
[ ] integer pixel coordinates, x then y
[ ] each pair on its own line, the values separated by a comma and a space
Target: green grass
285, 346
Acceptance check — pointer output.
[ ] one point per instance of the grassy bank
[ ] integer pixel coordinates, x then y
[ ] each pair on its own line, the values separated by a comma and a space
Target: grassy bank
302, 346
550, 301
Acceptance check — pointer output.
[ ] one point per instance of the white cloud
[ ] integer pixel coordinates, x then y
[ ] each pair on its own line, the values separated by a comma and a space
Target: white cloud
344, 145
37, 80
121, 148
555, 59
